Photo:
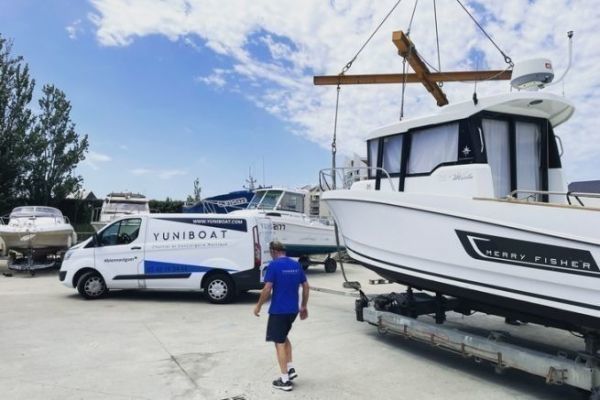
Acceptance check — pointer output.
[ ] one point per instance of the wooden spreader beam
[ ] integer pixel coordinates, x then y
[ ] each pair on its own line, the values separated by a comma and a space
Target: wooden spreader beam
422, 74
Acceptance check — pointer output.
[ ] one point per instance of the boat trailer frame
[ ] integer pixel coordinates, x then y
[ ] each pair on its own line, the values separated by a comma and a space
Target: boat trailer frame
581, 371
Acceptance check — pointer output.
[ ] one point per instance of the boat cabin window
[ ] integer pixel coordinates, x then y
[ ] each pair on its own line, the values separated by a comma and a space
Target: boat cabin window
372, 156
269, 200
497, 142
514, 149
256, 200
121, 232
528, 149
292, 202
431, 147
392, 153
125, 207
21, 212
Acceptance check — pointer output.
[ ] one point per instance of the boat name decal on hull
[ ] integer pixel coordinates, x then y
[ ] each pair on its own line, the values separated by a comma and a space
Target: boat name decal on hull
528, 254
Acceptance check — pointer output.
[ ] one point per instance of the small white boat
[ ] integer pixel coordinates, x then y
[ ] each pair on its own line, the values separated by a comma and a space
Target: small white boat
302, 235
117, 205
36, 232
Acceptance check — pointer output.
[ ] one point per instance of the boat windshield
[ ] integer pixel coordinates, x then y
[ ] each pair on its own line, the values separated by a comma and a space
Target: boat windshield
34, 211
255, 200
125, 207
266, 200
270, 199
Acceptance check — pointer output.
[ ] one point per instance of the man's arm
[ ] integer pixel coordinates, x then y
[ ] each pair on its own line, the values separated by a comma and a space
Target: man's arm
305, 292
265, 293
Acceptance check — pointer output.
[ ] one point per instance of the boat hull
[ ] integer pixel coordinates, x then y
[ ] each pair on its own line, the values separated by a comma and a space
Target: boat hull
518, 258
302, 236
20, 240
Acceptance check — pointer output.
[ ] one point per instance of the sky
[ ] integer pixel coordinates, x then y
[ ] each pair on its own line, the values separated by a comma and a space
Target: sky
173, 90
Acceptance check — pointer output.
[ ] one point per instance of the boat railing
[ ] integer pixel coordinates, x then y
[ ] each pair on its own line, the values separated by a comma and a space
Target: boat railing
533, 195
344, 177
213, 206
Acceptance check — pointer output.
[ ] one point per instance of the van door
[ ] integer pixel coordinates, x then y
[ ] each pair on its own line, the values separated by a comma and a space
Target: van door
265, 229
119, 253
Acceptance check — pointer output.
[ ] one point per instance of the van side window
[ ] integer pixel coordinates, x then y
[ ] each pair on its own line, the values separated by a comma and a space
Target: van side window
108, 237
122, 232
129, 230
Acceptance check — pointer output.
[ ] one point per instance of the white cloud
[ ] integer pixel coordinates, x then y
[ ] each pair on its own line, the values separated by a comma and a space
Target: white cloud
93, 159
74, 29
170, 173
217, 78
160, 173
192, 44
140, 171
271, 49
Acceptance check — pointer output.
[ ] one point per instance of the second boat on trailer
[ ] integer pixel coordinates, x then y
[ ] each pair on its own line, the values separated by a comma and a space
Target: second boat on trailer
302, 235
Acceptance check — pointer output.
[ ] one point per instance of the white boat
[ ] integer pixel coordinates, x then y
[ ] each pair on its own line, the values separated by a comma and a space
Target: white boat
37, 231
302, 235
472, 203
117, 205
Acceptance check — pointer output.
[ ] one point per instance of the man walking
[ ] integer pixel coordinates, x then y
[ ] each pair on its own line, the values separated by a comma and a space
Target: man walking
284, 276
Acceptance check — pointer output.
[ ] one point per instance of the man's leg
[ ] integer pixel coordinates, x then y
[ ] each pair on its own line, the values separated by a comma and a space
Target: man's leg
282, 357
290, 367
288, 350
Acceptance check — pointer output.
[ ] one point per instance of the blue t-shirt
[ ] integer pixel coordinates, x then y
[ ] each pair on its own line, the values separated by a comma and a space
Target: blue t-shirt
286, 275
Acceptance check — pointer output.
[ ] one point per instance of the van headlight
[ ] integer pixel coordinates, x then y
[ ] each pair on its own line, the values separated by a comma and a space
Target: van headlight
68, 255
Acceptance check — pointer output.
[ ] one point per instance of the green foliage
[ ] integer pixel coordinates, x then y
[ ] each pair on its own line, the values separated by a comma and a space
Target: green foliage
167, 206
55, 148
16, 89
38, 155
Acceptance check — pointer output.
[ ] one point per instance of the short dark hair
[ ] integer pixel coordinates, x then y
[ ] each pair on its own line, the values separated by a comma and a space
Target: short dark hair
276, 245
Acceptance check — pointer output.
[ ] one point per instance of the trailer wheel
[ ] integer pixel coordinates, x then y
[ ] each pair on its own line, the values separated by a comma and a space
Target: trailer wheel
330, 265
304, 262
219, 289
92, 286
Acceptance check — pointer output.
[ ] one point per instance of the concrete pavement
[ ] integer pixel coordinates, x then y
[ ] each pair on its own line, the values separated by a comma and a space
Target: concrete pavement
172, 345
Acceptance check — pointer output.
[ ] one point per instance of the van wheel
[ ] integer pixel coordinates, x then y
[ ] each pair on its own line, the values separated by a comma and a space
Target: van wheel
219, 289
330, 265
91, 285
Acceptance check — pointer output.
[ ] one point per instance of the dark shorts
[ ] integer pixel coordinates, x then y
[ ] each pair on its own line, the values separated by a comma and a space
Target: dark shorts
279, 326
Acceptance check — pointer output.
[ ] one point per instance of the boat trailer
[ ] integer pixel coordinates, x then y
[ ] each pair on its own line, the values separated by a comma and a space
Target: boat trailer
29, 261
397, 314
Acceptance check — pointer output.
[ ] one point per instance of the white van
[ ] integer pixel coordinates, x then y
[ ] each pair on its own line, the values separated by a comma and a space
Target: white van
212, 252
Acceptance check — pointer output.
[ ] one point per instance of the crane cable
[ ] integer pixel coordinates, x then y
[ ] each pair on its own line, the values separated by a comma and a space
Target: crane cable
334, 140
410, 50
437, 40
507, 59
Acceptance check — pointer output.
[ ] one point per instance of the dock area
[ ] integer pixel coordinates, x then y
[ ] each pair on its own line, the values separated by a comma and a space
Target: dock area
175, 345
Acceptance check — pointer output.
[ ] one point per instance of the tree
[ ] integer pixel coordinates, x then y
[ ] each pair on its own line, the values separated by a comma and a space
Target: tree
55, 151
16, 89
197, 196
